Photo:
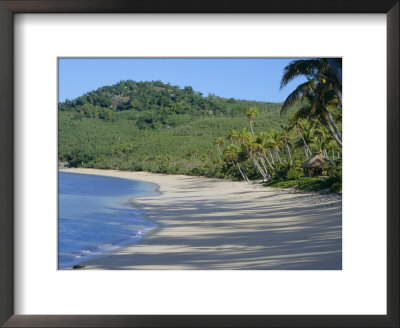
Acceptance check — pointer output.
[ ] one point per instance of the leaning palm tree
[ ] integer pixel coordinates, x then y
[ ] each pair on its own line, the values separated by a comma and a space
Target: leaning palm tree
269, 146
278, 144
253, 150
265, 141
320, 107
231, 154
320, 137
333, 148
219, 142
300, 126
322, 90
286, 140
310, 139
325, 104
251, 113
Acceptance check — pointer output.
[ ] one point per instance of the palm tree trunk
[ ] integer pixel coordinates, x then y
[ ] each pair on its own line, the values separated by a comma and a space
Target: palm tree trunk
306, 149
284, 157
219, 151
251, 129
334, 127
241, 172
271, 157
269, 163
332, 133
257, 165
245, 174
263, 164
279, 158
288, 149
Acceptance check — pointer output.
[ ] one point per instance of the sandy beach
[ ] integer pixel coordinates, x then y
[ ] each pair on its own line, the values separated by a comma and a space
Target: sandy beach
211, 224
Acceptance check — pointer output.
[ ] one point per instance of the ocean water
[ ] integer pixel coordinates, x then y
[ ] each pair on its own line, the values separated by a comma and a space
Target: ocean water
95, 215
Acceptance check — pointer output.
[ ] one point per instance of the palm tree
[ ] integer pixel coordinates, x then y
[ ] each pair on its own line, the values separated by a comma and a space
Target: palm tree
285, 138
278, 144
320, 137
233, 135
333, 148
231, 153
299, 125
251, 113
253, 149
219, 142
327, 119
244, 137
321, 113
265, 141
322, 90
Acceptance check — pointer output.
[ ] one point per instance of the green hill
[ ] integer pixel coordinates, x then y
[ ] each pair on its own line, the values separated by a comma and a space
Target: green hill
153, 126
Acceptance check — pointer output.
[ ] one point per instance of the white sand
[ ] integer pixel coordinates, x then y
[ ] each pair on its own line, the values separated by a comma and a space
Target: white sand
215, 224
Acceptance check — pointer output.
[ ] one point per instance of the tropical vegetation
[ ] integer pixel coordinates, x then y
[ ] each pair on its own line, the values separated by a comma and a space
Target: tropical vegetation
276, 155
158, 127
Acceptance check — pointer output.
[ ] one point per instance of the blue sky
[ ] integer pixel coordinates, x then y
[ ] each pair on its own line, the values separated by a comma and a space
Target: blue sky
251, 79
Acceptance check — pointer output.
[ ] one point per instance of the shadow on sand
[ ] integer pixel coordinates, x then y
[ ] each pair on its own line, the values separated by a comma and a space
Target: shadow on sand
272, 232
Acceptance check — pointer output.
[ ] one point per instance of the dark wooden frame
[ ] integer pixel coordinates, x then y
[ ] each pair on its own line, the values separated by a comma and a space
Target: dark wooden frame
7, 10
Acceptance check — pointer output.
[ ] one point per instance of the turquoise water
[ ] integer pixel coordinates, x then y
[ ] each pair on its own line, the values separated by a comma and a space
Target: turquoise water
94, 215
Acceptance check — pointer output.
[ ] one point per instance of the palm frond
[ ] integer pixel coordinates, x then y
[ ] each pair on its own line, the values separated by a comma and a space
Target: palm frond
298, 94
302, 113
307, 67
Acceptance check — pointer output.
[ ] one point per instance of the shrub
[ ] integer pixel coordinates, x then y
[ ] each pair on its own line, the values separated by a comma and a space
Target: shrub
310, 184
280, 183
336, 187
294, 173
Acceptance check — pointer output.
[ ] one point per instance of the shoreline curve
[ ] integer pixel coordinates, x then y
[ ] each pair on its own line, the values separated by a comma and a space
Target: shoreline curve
212, 224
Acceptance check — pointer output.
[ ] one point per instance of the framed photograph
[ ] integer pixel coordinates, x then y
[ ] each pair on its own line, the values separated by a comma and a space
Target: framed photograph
167, 163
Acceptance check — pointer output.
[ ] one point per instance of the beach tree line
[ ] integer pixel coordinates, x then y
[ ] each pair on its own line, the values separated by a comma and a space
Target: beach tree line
276, 155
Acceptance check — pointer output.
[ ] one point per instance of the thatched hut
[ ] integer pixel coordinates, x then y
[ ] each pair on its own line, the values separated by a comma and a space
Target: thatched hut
315, 164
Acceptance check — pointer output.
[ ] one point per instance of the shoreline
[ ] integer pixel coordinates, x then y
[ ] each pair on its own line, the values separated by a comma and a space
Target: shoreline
93, 251
209, 224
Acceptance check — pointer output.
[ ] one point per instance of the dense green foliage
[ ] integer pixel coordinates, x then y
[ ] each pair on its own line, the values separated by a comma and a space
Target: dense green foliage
172, 133
312, 136
332, 182
153, 104
157, 127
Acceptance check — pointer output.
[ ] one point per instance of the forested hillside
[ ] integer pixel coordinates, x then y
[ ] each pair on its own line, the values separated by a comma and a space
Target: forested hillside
155, 127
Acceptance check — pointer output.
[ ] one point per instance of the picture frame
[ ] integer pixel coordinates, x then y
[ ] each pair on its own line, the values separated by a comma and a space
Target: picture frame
10, 7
